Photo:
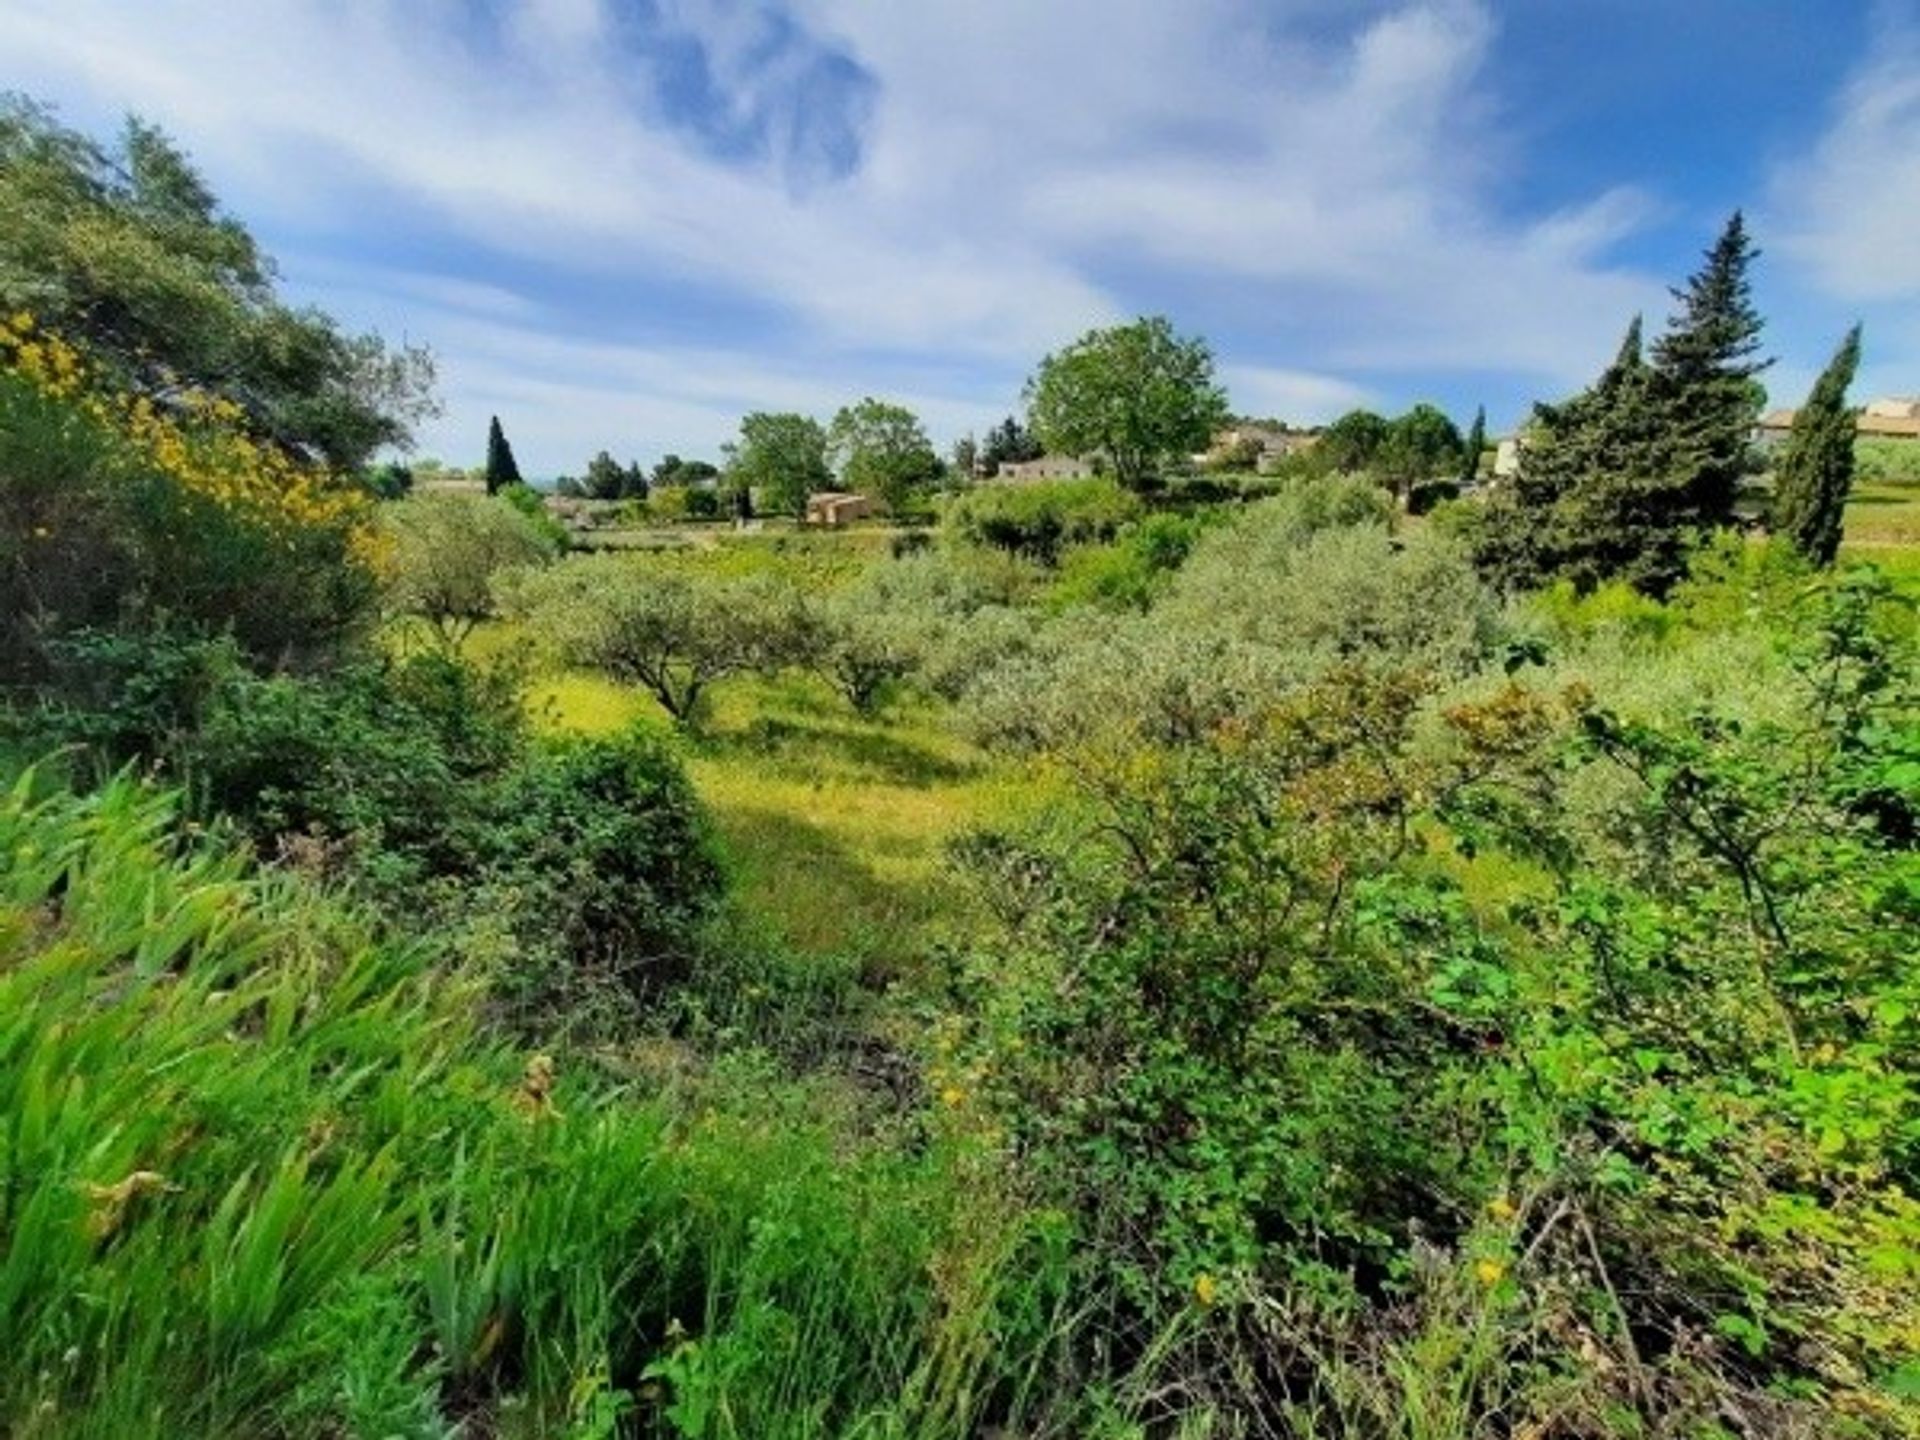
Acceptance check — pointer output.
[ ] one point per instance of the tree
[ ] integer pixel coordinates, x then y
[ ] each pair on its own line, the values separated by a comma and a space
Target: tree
1420, 445
965, 461
1593, 499
1475, 447
123, 249
784, 457
447, 551
1704, 370
1352, 443
1134, 395
881, 450
390, 481
866, 646
1008, 443
1816, 468
501, 470
672, 633
607, 479
672, 470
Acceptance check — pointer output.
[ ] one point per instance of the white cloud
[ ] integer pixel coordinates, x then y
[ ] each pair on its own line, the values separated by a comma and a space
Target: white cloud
1024, 171
1291, 394
1847, 212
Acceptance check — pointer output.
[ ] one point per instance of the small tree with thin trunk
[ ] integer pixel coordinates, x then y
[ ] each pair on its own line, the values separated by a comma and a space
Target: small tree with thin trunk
447, 552
673, 634
1815, 471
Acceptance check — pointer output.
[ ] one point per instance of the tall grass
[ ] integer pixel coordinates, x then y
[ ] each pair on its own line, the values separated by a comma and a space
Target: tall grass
260, 1175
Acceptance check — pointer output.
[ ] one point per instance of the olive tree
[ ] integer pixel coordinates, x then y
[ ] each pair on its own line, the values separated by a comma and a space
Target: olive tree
673, 633
448, 549
1135, 396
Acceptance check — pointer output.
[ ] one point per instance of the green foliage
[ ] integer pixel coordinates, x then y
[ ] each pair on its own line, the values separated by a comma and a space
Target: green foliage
111, 521
672, 470
1041, 520
123, 249
1473, 451
1351, 444
1621, 480
1705, 367
675, 633
781, 458
1421, 445
1235, 1008
262, 1172
502, 470
1134, 395
448, 549
1008, 443
1815, 470
881, 450
607, 479
1130, 571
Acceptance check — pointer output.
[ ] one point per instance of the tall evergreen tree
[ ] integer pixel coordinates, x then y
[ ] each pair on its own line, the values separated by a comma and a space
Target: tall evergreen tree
1589, 500
501, 469
1704, 368
1816, 468
1476, 443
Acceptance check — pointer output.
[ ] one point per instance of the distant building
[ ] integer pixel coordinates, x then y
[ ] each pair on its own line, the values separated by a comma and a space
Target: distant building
1047, 467
1896, 407
1261, 446
834, 508
1890, 418
1506, 458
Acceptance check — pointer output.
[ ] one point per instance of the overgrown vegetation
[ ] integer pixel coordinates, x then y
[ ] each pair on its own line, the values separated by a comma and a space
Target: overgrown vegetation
1226, 957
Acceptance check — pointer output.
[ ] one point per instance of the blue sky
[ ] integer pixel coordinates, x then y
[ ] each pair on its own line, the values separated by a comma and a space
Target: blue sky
623, 223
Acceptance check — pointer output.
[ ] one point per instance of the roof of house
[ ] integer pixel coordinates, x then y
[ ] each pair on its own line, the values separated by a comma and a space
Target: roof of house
1868, 424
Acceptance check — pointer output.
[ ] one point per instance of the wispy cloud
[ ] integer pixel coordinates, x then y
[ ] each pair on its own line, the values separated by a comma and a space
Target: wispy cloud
1847, 211
921, 197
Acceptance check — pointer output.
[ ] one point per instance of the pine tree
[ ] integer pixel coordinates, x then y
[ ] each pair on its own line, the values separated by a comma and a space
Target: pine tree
501, 469
1704, 367
1475, 444
1816, 468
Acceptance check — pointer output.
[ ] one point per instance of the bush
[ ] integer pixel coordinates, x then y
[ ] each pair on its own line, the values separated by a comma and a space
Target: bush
1129, 572
597, 851
115, 514
1038, 521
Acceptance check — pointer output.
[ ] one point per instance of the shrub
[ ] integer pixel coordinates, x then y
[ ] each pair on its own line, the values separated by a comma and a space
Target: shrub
116, 513
597, 851
1039, 521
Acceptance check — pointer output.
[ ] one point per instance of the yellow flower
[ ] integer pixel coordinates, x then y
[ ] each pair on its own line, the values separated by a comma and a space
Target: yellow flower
1501, 1208
1206, 1289
953, 1097
1490, 1272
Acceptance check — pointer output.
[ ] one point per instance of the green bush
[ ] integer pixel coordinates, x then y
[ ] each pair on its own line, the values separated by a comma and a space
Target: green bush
597, 853
1039, 521
262, 1175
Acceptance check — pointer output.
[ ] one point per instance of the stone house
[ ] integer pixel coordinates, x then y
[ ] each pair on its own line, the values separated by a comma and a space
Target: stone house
834, 508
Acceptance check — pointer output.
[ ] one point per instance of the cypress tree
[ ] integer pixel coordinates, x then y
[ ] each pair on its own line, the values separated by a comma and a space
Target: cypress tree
1475, 443
1704, 368
1816, 468
501, 469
